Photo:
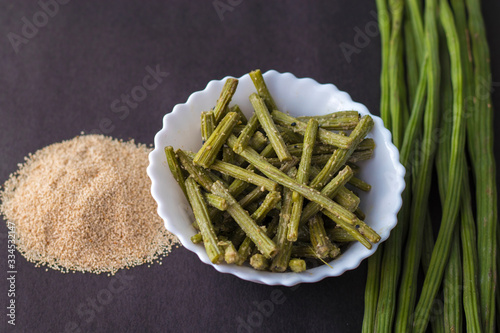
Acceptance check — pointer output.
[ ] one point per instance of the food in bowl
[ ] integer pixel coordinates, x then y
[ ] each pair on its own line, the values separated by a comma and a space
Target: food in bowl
273, 189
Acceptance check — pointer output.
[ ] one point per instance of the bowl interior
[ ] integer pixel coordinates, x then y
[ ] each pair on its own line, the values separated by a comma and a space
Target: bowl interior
298, 97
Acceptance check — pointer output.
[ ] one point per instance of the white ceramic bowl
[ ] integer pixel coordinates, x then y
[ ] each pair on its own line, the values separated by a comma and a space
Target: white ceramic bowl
299, 97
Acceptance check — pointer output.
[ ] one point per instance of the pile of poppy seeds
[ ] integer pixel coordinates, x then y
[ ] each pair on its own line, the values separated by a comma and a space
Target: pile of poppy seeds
85, 205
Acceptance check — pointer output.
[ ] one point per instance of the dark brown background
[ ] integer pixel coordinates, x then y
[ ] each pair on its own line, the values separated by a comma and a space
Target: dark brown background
63, 80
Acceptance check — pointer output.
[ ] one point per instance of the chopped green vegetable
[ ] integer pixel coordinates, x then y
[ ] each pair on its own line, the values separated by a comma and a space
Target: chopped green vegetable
260, 85
259, 262
297, 265
208, 152
253, 231
257, 200
319, 239
207, 125
215, 201
340, 120
302, 177
225, 98
280, 261
298, 126
214, 251
244, 174
175, 168
269, 127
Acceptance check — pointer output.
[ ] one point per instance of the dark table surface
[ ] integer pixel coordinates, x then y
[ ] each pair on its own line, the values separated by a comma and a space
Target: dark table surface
61, 76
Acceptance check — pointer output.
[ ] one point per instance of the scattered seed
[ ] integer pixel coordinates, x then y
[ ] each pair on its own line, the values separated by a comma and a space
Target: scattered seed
85, 205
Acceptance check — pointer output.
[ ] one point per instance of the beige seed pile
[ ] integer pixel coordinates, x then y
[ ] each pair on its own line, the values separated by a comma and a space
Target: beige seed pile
85, 205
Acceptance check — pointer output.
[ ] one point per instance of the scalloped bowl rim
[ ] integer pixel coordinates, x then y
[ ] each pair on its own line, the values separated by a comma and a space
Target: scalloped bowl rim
177, 216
